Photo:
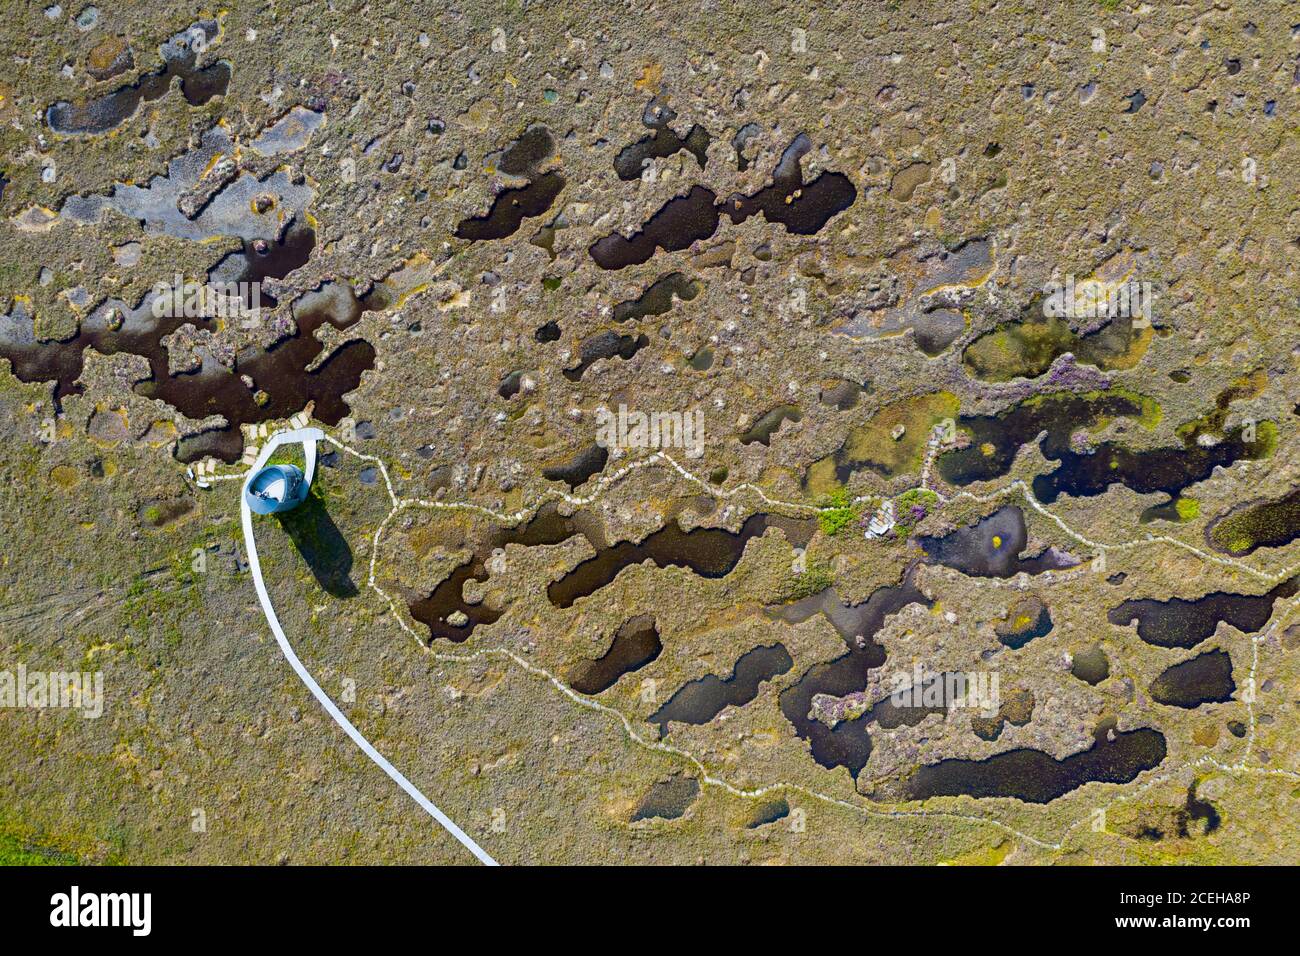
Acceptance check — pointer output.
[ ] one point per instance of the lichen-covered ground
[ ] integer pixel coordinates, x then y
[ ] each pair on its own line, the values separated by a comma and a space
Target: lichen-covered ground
827, 231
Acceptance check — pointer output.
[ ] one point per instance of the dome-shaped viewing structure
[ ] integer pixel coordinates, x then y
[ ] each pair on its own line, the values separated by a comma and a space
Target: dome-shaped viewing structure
276, 488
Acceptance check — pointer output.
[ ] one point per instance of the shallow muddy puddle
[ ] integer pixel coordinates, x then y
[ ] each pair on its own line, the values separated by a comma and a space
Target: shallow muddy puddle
1090, 665
193, 201
1103, 320
1028, 347
842, 395
702, 360
1017, 709
761, 431
668, 799
931, 285
659, 298
769, 812
180, 59
510, 385
156, 513
604, 345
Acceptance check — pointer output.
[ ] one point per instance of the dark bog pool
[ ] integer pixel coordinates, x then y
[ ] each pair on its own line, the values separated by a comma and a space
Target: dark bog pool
708, 552
662, 142
635, 645
802, 208
547, 527
1183, 622
590, 461
1158, 469
281, 382
995, 439
847, 744
1259, 524
1037, 777
1027, 619
699, 701
1084, 472
511, 207
991, 548
1205, 679
274, 259
677, 224
525, 155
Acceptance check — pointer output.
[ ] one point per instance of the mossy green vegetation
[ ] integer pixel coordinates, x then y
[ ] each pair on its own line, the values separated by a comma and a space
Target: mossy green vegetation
1027, 348
14, 852
153, 609
1265, 440
892, 443
1178, 509
24, 844
1264, 524
838, 511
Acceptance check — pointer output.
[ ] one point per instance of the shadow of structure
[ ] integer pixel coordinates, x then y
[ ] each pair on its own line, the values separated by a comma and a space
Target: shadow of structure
321, 545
